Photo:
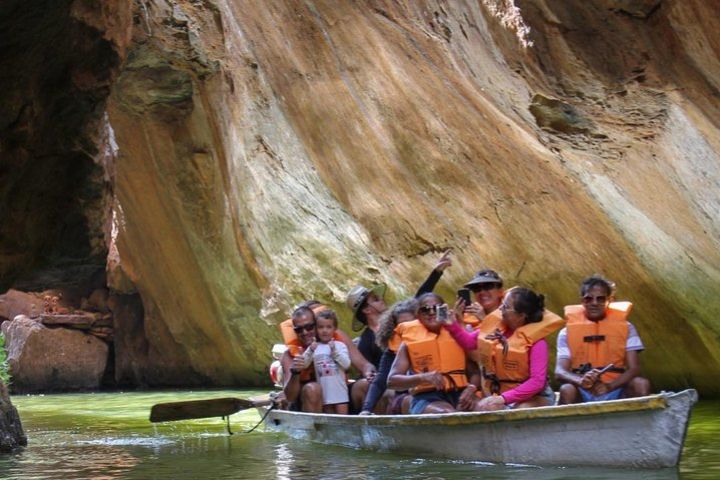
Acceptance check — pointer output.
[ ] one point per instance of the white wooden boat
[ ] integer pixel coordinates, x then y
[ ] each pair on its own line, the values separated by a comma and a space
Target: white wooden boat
645, 432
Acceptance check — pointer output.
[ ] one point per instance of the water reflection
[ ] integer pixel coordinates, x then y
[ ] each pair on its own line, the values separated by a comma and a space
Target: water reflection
295, 460
283, 462
110, 438
98, 462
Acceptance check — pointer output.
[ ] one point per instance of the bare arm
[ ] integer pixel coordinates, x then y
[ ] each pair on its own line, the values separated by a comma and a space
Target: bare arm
467, 397
632, 361
340, 355
563, 372
292, 380
398, 379
357, 359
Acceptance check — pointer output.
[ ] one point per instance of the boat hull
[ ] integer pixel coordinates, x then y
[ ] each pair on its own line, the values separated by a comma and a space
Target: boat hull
646, 432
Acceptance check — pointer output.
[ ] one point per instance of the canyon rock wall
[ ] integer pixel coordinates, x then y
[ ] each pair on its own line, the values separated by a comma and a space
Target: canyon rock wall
260, 153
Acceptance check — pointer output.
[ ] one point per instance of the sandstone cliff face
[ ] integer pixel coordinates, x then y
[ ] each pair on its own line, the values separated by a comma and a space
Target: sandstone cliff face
260, 153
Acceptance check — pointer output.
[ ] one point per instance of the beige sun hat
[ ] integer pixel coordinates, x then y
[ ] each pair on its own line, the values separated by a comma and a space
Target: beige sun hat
355, 300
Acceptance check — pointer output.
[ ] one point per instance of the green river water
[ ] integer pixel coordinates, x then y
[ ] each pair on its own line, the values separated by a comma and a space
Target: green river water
108, 436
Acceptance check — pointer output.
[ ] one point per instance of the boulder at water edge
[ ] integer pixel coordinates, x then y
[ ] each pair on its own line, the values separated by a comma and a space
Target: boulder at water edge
42, 358
11, 431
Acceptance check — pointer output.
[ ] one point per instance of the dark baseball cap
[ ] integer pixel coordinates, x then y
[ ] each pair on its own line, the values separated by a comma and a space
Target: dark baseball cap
485, 276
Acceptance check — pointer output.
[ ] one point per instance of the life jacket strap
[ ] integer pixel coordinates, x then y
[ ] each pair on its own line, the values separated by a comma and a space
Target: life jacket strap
498, 335
453, 383
495, 382
594, 338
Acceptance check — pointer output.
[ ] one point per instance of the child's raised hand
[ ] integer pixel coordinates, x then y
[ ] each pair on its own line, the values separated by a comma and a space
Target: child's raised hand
331, 343
313, 345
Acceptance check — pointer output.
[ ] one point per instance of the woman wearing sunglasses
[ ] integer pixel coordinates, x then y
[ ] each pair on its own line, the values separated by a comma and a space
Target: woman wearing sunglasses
429, 362
487, 288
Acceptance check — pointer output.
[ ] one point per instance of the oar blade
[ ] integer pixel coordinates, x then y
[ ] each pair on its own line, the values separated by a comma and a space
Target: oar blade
188, 410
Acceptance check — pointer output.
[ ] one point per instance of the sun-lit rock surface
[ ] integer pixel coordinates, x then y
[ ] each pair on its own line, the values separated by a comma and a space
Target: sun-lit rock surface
264, 152
52, 359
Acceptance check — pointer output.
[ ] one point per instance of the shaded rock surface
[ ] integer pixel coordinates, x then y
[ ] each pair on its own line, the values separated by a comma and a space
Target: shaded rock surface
51, 359
557, 115
14, 303
253, 154
12, 435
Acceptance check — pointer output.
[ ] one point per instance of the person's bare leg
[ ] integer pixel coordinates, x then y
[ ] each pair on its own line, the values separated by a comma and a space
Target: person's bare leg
406, 403
439, 407
569, 394
536, 401
311, 398
385, 402
342, 409
637, 387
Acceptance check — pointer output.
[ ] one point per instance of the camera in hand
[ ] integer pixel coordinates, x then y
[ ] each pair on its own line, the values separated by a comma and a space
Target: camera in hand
442, 313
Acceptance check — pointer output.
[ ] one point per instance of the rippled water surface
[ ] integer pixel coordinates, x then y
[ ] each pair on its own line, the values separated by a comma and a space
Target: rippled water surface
108, 436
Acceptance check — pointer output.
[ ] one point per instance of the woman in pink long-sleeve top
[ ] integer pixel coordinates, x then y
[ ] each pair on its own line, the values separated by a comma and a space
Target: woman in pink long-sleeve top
512, 351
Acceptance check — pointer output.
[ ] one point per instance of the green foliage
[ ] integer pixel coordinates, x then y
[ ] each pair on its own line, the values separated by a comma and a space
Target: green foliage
4, 370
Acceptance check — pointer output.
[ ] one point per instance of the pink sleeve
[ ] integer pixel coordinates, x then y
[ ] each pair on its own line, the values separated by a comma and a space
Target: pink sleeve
467, 340
538, 375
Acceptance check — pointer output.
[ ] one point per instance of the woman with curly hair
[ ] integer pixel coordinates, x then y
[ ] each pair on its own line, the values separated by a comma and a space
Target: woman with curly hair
386, 339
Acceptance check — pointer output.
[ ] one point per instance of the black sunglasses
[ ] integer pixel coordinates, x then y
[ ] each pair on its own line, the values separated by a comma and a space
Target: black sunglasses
308, 328
598, 299
427, 308
484, 286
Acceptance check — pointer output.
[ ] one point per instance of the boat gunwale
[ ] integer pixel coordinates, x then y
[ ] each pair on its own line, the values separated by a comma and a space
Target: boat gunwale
657, 401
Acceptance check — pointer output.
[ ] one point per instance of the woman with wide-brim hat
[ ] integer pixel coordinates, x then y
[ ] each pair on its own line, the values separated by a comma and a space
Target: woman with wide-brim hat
487, 288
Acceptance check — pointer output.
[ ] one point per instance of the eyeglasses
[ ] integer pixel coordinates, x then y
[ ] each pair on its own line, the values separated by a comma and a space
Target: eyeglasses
591, 299
427, 309
506, 308
309, 327
482, 287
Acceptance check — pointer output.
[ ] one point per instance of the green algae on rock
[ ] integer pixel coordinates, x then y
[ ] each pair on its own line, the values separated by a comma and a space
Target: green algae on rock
12, 435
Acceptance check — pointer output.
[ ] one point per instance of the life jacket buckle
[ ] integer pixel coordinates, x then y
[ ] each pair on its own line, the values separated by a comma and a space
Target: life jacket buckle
583, 369
594, 338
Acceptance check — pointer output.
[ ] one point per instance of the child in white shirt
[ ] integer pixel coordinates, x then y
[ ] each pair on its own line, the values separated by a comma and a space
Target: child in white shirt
331, 359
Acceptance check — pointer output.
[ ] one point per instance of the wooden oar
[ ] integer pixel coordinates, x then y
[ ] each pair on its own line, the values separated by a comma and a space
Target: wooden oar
216, 407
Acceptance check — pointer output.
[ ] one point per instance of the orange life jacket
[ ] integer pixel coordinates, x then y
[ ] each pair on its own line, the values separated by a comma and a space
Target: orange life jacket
597, 344
406, 332
430, 352
506, 363
295, 347
470, 321
395, 340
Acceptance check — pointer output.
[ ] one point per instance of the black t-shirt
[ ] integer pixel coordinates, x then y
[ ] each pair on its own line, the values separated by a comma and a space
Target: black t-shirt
369, 348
